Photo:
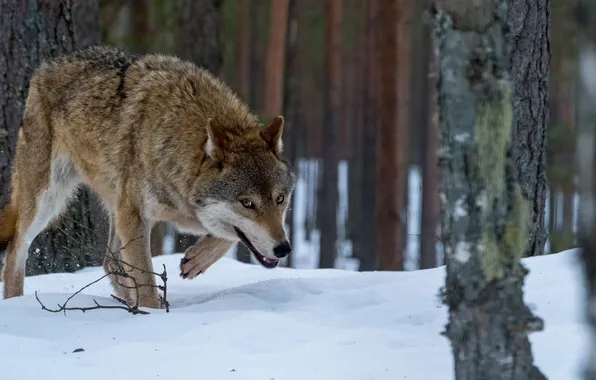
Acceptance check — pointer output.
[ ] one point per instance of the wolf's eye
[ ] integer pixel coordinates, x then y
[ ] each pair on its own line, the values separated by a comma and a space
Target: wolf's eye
280, 199
247, 203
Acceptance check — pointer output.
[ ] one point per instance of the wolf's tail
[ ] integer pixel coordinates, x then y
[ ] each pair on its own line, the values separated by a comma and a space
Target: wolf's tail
8, 225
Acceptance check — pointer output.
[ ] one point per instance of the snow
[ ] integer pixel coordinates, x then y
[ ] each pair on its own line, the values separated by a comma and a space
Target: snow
241, 321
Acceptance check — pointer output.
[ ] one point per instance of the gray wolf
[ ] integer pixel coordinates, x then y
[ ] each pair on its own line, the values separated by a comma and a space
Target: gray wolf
158, 139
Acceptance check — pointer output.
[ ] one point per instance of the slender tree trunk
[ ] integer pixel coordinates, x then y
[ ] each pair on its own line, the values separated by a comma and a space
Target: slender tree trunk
430, 172
274, 71
566, 112
369, 184
389, 194
404, 107
484, 214
355, 118
528, 23
586, 160
257, 52
199, 33
328, 192
29, 33
199, 41
243, 49
140, 33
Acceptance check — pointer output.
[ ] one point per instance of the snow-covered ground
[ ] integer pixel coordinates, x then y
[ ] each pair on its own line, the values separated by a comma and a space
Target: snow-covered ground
240, 321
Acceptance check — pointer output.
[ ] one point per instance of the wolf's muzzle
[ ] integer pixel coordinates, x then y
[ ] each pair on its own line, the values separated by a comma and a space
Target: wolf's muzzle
282, 250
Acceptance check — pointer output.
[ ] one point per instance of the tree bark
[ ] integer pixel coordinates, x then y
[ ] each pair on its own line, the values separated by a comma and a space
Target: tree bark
243, 49
257, 53
404, 107
389, 197
484, 214
369, 184
528, 23
29, 33
199, 33
328, 192
199, 41
355, 121
430, 173
586, 160
274, 72
140, 33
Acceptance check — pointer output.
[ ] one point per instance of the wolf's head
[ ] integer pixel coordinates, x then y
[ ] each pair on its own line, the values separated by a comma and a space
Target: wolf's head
245, 187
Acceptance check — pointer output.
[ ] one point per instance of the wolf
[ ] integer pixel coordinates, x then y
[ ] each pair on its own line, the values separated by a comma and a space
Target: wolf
157, 138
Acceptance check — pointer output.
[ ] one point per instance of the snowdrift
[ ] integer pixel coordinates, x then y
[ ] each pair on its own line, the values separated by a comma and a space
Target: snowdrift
241, 321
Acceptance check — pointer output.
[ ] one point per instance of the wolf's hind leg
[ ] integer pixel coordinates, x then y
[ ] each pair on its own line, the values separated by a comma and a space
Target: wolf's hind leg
39, 201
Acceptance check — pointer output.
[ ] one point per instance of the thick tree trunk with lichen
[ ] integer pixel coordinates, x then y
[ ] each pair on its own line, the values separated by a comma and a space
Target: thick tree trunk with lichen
528, 23
484, 215
586, 159
31, 31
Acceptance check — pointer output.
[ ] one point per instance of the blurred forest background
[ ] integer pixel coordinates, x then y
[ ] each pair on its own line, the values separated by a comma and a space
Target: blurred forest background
355, 141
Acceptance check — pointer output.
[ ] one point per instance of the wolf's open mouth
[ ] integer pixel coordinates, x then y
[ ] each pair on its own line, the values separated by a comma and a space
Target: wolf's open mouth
264, 261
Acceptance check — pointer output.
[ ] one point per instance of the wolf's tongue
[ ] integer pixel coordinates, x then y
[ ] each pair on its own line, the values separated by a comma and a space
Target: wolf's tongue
270, 261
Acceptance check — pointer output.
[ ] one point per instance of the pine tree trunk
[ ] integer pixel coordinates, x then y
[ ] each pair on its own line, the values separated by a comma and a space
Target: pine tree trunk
274, 72
140, 33
484, 215
586, 159
199, 41
199, 33
528, 23
389, 195
430, 176
328, 193
29, 33
369, 184
404, 107
243, 50
257, 53
355, 121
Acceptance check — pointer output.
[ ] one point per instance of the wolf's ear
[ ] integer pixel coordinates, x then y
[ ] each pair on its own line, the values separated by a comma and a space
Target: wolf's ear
217, 140
272, 134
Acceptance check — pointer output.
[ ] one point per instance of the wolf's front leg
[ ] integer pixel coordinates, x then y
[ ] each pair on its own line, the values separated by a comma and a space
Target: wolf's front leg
133, 232
202, 255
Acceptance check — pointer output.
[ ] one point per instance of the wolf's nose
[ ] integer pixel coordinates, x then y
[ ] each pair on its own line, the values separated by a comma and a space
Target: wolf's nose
282, 250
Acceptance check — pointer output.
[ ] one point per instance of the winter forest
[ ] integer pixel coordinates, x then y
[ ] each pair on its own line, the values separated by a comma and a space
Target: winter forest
442, 223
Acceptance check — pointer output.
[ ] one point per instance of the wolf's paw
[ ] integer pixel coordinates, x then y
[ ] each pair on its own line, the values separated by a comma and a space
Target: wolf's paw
202, 255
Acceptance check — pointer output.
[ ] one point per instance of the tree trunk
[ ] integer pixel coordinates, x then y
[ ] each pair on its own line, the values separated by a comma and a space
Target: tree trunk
528, 23
29, 33
199, 33
140, 31
243, 50
586, 159
328, 192
199, 41
369, 184
274, 71
390, 195
257, 52
404, 107
484, 215
355, 120
430, 173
